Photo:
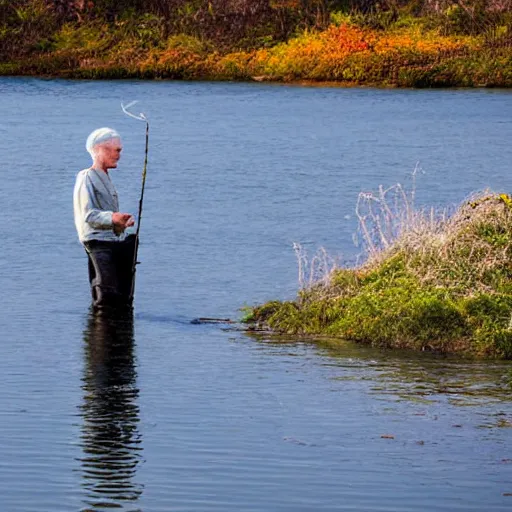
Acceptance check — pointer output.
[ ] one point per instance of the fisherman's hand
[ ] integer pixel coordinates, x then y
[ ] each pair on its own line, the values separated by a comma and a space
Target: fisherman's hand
121, 221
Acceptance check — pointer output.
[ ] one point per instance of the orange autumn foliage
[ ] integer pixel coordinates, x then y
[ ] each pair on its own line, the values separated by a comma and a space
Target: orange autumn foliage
325, 55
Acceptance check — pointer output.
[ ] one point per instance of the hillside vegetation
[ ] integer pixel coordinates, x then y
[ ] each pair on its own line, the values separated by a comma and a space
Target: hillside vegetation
392, 43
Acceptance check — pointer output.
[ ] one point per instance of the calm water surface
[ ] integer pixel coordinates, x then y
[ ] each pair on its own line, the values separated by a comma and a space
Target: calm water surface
155, 414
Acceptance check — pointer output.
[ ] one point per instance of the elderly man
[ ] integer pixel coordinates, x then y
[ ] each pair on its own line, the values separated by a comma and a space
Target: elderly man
100, 225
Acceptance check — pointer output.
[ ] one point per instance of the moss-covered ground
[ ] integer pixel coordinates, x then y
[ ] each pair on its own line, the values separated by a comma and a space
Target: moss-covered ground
444, 284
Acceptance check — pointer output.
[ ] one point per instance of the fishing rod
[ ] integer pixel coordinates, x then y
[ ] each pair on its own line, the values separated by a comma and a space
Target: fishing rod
139, 117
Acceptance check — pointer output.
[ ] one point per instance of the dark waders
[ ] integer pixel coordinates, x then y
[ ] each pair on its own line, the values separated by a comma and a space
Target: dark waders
111, 272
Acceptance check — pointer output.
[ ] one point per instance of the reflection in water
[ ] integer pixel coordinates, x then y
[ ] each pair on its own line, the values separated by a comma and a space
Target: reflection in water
407, 375
110, 439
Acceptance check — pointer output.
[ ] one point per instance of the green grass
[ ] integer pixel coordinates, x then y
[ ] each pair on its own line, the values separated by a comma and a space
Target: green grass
444, 287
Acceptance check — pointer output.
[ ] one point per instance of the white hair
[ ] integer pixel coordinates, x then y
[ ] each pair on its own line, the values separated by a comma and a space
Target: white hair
100, 136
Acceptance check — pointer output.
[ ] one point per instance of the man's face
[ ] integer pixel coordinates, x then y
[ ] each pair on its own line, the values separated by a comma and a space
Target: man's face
110, 153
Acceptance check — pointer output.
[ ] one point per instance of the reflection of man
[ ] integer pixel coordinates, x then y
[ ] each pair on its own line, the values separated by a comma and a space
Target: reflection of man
111, 442
100, 225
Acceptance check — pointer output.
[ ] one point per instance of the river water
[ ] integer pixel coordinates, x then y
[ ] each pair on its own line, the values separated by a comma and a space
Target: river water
156, 414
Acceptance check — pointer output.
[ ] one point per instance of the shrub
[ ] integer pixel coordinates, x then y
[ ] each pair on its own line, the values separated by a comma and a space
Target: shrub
431, 281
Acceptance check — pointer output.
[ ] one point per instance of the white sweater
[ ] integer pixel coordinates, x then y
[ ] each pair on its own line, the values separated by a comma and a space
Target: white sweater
94, 202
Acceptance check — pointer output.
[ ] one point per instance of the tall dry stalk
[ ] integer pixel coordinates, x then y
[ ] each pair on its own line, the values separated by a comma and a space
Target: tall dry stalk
389, 219
458, 250
464, 249
315, 270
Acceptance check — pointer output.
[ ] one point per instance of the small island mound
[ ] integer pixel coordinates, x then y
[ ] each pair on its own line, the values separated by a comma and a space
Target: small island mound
435, 282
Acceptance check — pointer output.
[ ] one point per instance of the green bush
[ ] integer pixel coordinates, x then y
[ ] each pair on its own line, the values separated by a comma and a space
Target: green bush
450, 296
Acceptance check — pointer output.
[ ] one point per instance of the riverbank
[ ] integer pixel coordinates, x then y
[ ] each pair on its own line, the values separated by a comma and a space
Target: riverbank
431, 282
407, 54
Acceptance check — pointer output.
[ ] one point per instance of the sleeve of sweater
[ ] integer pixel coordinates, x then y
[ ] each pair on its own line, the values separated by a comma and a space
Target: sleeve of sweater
93, 215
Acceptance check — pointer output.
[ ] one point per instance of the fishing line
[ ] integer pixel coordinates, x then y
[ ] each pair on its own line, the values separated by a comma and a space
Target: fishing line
139, 117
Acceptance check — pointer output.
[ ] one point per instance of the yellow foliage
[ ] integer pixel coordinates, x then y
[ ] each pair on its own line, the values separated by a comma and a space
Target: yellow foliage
324, 55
